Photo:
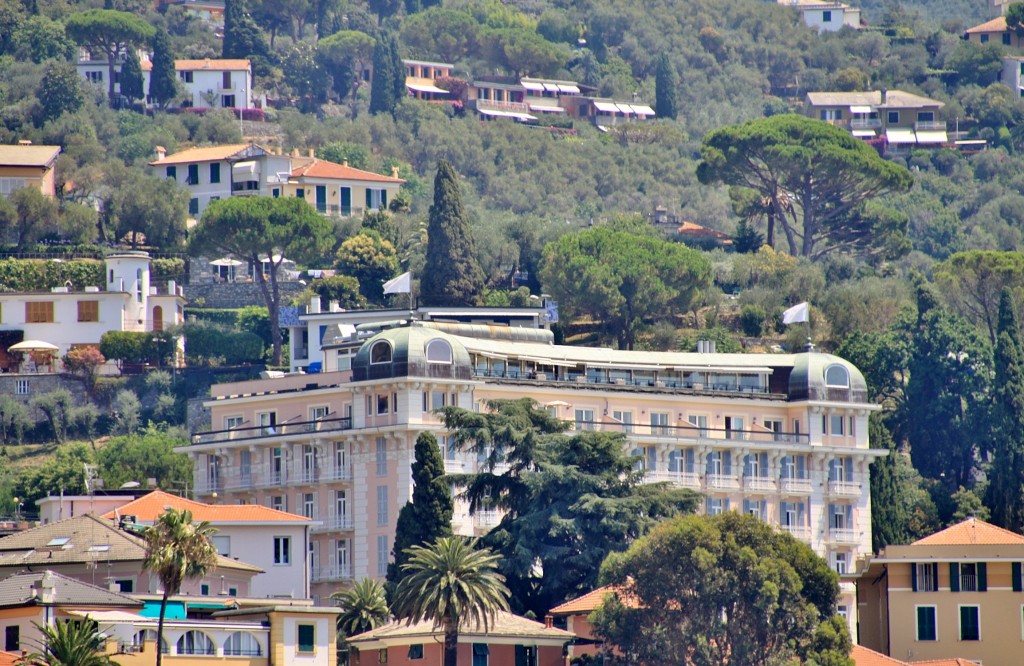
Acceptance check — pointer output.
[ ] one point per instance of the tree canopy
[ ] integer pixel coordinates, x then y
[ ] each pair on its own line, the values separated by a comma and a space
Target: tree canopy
972, 283
451, 275
110, 31
623, 279
815, 178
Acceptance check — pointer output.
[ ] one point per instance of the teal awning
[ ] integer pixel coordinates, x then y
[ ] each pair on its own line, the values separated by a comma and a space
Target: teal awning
213, 606
175, 610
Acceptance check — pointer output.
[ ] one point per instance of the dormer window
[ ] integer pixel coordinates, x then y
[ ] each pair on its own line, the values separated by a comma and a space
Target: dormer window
439, 351
380, 353
837, 376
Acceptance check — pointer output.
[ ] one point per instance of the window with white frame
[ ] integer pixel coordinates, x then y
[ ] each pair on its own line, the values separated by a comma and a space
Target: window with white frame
717, 505
21, 387
659, 423
925, 577
282, 550
309, 505
584, 419
840, 561
232, 422
383, 404
626, 418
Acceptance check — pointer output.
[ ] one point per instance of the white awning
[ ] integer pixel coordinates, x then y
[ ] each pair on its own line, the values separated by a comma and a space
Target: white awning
547, 361
244, 168
426, 88
545, 108
525, 117
900, 136
864, 134
551, 87
111, 616
860, 109
625, 108
932, 136
642, 110
572, 90
532, 85
507, 114
606, 106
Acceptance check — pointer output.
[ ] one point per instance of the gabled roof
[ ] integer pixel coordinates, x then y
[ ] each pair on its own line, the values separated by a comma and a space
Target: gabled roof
995, 25
85, 539
208, 154
971, 532
20, 589
587, 603
29, 156
317, 168
221, 65
894, 99
862, 656
149, 507
504, 625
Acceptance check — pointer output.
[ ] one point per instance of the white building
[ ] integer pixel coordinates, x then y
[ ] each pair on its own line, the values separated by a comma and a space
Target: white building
826, 16
73, 316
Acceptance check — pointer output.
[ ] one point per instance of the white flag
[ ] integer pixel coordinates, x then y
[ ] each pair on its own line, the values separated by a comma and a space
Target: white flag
400, 285
797, 314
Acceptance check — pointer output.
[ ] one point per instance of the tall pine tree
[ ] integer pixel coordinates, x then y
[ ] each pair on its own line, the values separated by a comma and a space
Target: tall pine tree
131, 77
384, 88
1006, 475
243, 39
163, 83
666, 89
429, 514
889, 504
451, 276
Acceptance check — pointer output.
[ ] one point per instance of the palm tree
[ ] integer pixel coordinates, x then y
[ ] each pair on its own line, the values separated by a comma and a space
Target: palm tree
363, 606
69, 643
177, 549
448, 583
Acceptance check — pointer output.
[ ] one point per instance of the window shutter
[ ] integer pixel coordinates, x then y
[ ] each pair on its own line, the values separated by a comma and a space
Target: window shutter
727, 463
832, 470
848, 468
708, 465
369, 198
800, 467
689, 461
383, 199
913, 576
982, 577
954, 577
1017, 587
764, 465
747, 465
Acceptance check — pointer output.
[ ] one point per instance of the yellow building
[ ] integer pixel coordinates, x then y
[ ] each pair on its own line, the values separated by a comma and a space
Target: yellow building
955, 593
994, 32
339, 189
25, 165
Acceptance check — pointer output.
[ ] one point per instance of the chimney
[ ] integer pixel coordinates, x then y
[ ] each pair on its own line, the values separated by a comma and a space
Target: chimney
161, 152
885, 95
344, 163
44, 590
394, 172
549, 621
295, 152
314, 305
24, 142
312, 153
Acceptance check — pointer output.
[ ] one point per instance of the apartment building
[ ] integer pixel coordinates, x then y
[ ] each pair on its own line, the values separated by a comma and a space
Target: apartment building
421, 78
826, 15
903, 119
26, 165
207, 83
781, 436
956, 593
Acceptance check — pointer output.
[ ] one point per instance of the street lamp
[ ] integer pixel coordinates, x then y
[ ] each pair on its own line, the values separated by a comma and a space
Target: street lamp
17, 509
241, 114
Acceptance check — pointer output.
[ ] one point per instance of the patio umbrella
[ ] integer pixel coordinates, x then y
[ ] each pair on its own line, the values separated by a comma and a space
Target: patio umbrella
32, 345
227, 261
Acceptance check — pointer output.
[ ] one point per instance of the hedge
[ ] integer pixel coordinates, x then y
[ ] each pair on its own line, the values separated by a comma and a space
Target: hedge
227, 317
44, 275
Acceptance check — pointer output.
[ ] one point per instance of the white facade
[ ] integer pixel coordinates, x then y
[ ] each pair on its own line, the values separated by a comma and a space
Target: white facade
1012, 75
217, 84
255, 544
826, 16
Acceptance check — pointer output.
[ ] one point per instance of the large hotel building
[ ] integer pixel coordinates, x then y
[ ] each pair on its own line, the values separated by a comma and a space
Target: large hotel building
781, 436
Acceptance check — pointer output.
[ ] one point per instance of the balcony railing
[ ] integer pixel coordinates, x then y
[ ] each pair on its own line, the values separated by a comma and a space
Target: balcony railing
249, 433
933, 125
332, 573
272, 478
865, 123
336, 523
486, 519
679, 479
843, 536
723, 482
801, 532
693, 433
335, 473
795, 486
454, 467
843, 489
759, 484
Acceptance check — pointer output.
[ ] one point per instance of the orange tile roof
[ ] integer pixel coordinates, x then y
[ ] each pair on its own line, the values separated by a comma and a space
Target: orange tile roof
995, 25
9, 658
587, 603
863, 656
205, 154
212, 65
957, 661
149, 507
323, 169
971, 532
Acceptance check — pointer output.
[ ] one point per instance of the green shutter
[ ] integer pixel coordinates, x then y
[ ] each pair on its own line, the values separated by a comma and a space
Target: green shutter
913, 576
369, 198
954, 577
1017, 587
982, 577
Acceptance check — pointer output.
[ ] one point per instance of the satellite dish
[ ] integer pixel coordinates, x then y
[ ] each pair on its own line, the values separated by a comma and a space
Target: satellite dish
130, 484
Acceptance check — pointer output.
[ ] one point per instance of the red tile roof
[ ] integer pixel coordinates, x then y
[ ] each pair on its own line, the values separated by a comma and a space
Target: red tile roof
149, 507
971, 532
587, 603
862, 656
318, 168
995, 25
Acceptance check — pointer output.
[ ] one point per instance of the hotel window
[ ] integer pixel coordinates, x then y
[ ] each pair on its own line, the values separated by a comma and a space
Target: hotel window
308, 505
924, 577
39, 312
794, 467
659, 423
415, 651
480, 654
699, 421
437, 399
755, 465
439, 351
839, 562
584, 419
926, 629
719, 463
970, 625
680, 461
836, 425
382, 456
12, 638
383, 405
734, 427
382, 555
278, 502
282, 550
626, 418
717, 505
755, 508
968, 577
382, 505
88, 310
775, 425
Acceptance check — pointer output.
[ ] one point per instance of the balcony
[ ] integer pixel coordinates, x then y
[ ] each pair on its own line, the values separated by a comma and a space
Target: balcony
722, 482
278, 430
930, 125
272, 479
486, 519
843, 489
678, 479
759, 484
332, 573
209, 486
307, 477
243, 481
454, 467
336, 474
801, 532
795, 486
865, 123
336, 523
843, 537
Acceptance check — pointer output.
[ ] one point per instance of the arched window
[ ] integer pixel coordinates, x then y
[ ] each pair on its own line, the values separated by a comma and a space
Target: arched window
837, 376
380, 352
158, 318
196, 642
439, 351
141, 637
240, 644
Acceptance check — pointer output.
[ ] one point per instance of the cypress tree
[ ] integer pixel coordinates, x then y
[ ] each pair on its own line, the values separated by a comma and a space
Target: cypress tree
163, 83
666, 89
889, 513
1005, 497
383, 87
243, 39
429, 514
131, 77
398, 67
451, 276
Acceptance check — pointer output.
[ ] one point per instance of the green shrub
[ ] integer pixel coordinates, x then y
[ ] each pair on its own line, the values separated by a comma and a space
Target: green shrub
43, 275
752, 318
227, 317
206, 344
